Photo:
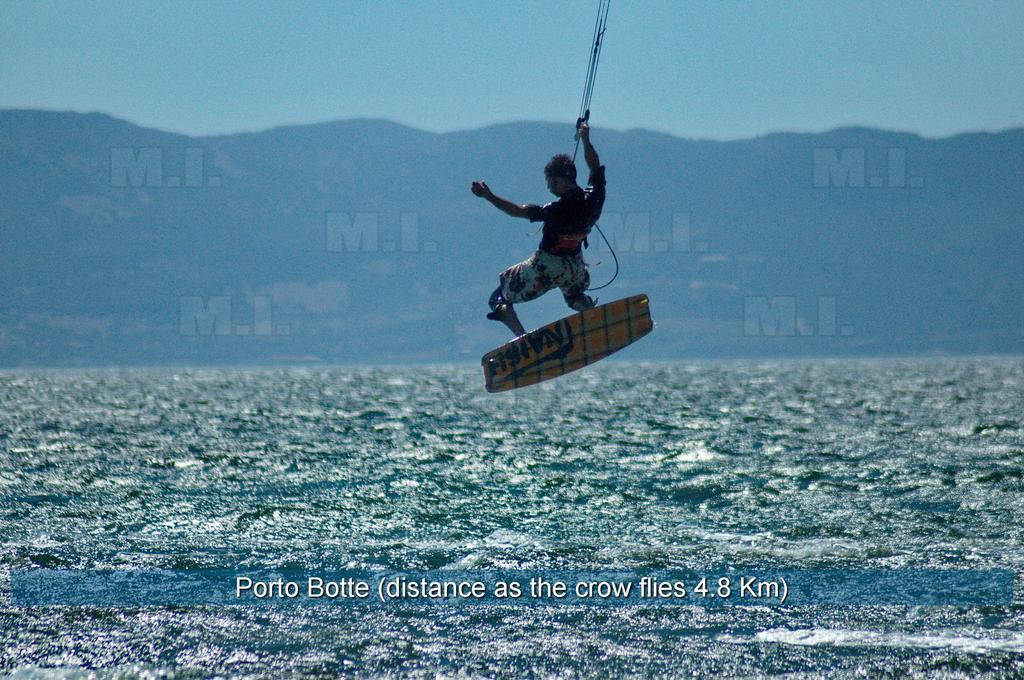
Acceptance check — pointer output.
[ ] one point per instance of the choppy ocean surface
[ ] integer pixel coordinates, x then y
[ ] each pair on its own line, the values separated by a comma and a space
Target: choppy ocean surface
887, 464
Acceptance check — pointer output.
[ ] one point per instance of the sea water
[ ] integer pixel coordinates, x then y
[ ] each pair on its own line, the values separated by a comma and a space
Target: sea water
817, 467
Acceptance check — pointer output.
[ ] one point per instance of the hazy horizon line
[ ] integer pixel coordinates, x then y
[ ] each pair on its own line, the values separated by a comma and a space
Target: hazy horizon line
282, 126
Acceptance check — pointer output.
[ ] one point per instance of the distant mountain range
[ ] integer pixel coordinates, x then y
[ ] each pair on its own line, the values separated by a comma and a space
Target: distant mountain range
359, 241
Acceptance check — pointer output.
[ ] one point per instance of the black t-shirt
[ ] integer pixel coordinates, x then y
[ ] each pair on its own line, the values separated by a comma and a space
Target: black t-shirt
568, 220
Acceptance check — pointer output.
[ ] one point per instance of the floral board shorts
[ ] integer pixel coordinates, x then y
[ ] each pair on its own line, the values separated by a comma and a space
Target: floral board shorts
532, 278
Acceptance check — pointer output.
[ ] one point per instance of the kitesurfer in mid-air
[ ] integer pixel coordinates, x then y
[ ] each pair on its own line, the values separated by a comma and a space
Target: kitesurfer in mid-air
558, 262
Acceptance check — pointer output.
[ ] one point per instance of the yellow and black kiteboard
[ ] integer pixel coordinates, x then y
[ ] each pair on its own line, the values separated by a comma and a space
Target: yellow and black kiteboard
567, 344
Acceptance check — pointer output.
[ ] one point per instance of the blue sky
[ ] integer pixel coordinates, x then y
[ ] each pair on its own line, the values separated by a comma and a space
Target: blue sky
719, 70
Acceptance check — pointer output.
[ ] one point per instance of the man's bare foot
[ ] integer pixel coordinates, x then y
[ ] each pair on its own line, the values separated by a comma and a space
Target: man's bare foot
505, 314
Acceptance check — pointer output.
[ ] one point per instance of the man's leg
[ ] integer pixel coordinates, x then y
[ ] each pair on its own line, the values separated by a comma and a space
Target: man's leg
519, 283
581, 302
505, 314
502, 311
575, 294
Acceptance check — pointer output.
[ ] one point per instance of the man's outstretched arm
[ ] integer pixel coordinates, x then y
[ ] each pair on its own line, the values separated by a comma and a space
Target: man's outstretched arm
508, 207
589, 153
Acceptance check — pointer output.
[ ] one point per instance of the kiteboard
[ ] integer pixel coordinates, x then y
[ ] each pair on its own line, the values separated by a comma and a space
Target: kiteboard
567, 344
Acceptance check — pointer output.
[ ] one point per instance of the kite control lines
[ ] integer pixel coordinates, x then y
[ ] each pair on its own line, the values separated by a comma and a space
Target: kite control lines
584, 115
595, 58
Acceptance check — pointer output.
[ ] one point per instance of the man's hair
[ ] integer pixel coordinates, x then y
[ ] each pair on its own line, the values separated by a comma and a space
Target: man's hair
561, 166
